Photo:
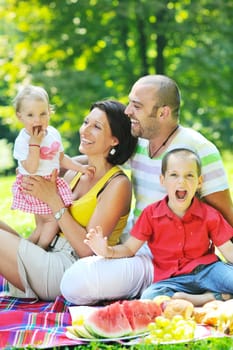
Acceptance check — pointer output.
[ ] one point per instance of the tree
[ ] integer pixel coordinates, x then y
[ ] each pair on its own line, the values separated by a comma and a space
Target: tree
85, 50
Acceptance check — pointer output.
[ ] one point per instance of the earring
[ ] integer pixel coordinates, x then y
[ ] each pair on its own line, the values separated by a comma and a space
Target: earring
113, 151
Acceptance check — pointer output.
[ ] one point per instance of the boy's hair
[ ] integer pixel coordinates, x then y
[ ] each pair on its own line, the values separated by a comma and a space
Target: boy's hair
187, 152
31, 92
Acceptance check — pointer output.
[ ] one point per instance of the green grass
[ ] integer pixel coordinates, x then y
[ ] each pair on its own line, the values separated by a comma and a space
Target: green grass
23, 223
225, 343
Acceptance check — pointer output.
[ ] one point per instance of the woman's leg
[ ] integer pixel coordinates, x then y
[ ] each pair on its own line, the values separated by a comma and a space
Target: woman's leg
93, 279
9, 243
32, 269
7, 228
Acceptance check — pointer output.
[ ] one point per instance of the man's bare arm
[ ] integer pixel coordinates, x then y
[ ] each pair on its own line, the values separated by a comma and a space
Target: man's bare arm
222, 201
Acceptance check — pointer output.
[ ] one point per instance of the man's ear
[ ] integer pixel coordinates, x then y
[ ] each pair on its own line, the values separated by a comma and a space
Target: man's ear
164, 111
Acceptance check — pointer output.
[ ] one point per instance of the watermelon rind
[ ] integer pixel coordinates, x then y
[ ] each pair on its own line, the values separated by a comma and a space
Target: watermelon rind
83, 332
95, 333
80, 332
100, 333
108, 322
117, 320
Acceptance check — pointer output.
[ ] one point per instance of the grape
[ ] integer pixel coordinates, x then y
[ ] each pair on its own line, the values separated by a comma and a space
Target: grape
167, 330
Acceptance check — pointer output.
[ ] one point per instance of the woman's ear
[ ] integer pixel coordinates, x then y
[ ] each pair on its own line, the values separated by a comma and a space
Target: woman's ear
115, 141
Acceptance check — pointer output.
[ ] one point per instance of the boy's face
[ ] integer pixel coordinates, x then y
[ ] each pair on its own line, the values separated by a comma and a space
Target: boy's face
34, 114
181, 181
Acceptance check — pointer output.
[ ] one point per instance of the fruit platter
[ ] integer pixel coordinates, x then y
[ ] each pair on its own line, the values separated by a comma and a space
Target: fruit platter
162, 320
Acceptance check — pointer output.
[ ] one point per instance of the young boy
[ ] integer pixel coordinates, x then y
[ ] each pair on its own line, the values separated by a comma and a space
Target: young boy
182, 233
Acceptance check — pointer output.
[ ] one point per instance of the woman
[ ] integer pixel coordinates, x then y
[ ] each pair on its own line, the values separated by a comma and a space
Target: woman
103, 198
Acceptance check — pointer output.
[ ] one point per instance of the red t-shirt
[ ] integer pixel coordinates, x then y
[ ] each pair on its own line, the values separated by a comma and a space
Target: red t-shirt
178, 245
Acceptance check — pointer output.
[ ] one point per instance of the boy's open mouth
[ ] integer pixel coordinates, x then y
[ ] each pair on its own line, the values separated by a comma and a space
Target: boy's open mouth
181, 194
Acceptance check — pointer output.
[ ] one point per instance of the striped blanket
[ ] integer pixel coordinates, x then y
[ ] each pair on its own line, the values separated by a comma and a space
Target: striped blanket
24, 322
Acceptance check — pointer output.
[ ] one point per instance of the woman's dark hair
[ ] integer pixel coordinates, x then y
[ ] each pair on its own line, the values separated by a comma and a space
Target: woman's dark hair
121, 128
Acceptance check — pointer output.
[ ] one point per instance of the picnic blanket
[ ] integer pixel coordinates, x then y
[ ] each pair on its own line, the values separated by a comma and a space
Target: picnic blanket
39, 324
29, 323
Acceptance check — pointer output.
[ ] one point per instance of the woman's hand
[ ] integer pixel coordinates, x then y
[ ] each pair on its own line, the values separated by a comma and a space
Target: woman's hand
43, 189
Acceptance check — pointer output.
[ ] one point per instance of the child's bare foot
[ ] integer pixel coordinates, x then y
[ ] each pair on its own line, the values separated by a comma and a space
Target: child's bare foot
226, 297
201, 299
196, 299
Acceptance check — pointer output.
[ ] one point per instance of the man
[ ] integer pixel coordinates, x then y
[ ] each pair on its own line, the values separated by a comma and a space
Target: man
154, 105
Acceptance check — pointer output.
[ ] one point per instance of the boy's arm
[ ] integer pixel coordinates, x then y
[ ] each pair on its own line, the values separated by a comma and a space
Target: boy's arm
226, 249
98, 243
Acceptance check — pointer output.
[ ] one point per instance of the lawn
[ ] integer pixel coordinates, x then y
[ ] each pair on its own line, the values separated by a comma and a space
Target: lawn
23, 223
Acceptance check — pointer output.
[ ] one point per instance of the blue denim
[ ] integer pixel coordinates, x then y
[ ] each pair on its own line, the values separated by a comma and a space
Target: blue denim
216, 277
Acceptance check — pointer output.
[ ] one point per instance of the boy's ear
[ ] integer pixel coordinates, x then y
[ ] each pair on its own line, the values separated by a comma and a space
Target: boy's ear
200, 181
161, 177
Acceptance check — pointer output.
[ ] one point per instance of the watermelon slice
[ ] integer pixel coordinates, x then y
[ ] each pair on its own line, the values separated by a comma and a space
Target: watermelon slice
140, 313
120, 319
108, 322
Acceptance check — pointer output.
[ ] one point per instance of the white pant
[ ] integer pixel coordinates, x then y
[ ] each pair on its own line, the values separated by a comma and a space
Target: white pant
92, 279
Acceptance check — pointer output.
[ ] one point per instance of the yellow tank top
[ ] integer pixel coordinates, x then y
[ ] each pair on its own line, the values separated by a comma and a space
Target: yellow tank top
83, 208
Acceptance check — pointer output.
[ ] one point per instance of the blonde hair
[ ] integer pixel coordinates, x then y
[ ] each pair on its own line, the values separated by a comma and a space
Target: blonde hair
31, 92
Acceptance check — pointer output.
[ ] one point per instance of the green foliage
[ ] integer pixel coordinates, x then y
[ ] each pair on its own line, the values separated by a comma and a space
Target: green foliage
85, 50
6, 160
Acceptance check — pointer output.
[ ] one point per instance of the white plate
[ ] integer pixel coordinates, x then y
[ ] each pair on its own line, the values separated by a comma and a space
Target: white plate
130, 337
201, 333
